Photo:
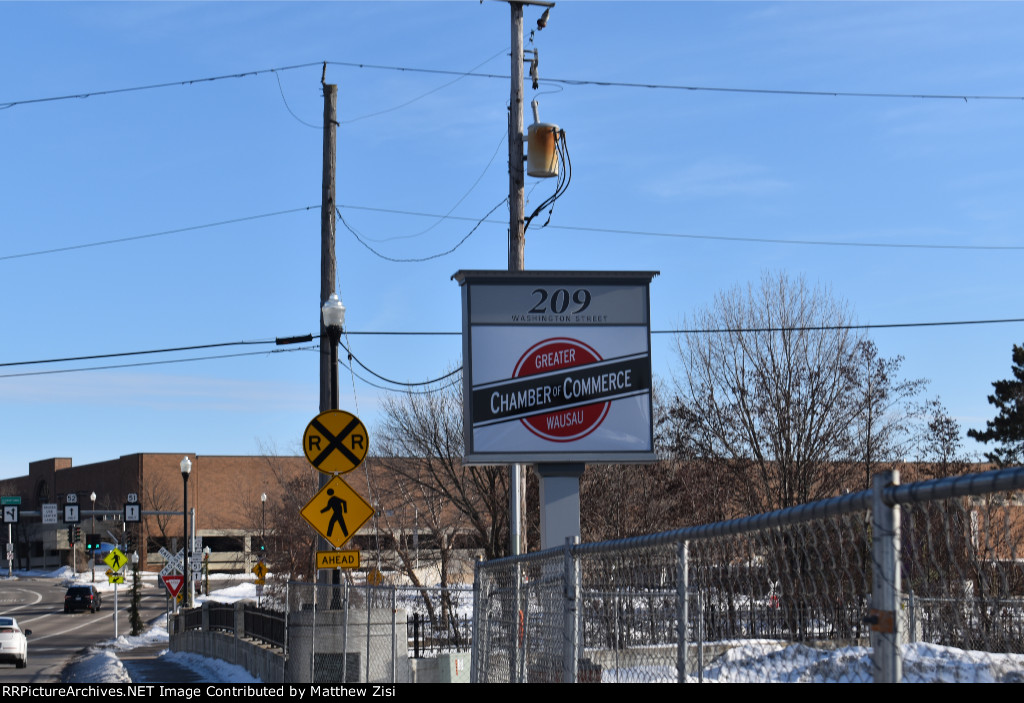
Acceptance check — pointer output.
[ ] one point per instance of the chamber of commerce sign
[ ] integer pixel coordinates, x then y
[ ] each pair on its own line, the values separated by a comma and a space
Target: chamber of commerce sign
557, 366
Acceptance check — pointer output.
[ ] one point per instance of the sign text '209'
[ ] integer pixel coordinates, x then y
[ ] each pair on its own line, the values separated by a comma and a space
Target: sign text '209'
559, 301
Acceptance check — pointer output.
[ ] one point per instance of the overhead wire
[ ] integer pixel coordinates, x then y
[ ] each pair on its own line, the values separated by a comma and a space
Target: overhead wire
421, 259
150, 363
564, 81
133, 238
458, 202
713, 237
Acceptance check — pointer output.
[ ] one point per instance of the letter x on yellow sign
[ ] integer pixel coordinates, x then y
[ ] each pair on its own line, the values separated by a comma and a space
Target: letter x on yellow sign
335, 442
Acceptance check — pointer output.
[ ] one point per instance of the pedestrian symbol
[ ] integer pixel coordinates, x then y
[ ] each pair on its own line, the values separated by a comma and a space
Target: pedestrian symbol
115, 560
335, 442
336, 512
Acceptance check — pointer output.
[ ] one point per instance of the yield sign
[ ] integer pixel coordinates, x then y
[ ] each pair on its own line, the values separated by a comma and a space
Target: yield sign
335, 442
336, 512
173, 583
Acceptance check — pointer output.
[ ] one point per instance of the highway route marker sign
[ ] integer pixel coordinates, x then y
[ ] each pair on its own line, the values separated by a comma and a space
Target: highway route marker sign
173, 583
335, 442
336, 512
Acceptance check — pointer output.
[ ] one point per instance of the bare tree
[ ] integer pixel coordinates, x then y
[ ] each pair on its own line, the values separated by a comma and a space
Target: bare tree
157, 495
765, 392
420, 443
881, 431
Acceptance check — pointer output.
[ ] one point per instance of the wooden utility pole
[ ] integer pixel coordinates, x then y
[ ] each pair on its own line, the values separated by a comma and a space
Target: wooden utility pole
328, 269
516, 235
328, 264
517, 239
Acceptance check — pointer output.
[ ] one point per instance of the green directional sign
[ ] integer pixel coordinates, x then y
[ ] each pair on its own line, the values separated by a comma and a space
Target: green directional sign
10, 500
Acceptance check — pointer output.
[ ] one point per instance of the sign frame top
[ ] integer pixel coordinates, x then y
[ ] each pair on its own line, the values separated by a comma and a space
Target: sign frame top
557, 366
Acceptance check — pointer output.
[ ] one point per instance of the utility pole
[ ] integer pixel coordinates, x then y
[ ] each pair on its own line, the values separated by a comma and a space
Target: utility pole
517, 236
328, 264
516, 243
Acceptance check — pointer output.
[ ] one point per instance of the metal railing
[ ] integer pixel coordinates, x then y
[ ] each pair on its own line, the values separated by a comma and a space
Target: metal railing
917, 582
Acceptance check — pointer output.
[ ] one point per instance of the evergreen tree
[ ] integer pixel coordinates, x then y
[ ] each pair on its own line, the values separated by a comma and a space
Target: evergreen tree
1007, 429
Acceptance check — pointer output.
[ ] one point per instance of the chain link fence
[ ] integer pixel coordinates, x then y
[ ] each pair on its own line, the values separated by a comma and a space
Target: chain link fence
921, 582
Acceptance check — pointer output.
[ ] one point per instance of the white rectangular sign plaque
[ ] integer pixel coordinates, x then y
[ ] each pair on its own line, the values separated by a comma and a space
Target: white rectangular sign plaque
557, 366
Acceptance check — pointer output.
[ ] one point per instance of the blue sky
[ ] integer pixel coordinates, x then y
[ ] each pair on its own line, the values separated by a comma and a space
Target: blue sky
736, 165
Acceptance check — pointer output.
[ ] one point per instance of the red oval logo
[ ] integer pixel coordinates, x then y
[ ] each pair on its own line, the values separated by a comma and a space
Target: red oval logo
566, 424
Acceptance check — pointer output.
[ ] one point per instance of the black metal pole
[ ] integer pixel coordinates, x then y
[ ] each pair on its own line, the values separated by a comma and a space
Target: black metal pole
184, 521
335, 334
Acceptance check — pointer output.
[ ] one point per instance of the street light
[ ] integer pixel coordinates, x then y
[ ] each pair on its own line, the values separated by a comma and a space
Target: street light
334, 319
92, 554
186, 469
333, 311
263, 527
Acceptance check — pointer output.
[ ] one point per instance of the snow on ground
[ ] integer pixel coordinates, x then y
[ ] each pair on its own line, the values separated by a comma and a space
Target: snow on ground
100, 664
763, 662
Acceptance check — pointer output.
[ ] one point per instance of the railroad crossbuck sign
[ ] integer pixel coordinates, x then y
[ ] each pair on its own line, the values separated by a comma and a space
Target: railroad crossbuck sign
335, 442
336, 512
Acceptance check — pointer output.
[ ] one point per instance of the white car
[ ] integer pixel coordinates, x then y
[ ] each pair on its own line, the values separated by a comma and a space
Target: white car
13, 645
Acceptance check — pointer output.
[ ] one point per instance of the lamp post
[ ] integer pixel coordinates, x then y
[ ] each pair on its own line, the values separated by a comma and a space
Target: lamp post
334, 319
92, 554
263, 526
186, 469
333, 311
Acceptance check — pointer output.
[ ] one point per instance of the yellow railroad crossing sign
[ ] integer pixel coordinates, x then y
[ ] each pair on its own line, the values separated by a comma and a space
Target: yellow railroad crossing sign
348, 559
116, 560
336, 512
335, 442
261, 572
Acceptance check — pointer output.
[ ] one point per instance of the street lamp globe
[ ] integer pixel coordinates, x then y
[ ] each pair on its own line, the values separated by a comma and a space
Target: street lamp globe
186, 466
334, 312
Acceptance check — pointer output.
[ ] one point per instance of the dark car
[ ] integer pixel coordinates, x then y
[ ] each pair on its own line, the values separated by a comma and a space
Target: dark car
82, 598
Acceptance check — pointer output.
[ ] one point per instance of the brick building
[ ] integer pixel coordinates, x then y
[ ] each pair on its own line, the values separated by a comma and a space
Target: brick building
224, 491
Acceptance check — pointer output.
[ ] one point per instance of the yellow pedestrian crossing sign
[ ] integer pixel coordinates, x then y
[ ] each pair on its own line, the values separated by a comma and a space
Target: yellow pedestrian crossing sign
261, 572
116, 560
335, 442
336, 512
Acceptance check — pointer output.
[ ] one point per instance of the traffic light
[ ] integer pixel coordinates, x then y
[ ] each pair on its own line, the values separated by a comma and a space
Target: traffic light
92, 542
71, 534
262, 547
77, 535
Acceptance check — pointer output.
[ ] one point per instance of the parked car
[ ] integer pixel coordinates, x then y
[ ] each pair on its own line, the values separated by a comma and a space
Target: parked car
13, 645
82, 598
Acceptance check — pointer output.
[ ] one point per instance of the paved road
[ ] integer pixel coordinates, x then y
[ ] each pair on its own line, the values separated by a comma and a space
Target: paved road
38, 604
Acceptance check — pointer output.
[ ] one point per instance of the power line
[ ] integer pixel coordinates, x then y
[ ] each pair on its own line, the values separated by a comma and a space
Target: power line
150, 363
712, 237
715, 89
422, 258
366, 368
562, 81
163, 233
154, 86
